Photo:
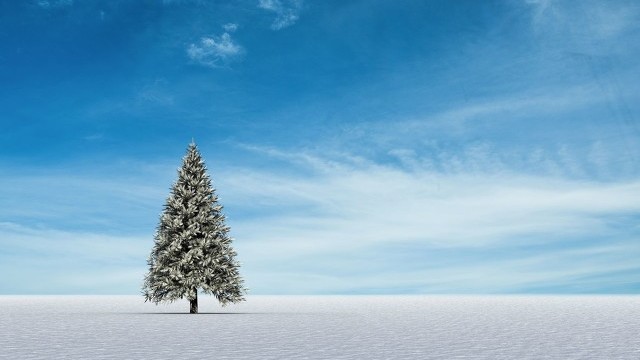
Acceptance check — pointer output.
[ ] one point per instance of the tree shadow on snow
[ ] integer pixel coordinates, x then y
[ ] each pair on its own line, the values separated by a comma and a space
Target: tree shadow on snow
200, 313
218, 313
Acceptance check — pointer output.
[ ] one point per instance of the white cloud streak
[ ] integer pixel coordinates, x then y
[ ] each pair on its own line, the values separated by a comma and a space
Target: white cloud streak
230, 27
53, 261
342, 210
467, 118
463, 138
51, 4
559, 270
287, 12
361, 205
215, 51
583, 21
183, 2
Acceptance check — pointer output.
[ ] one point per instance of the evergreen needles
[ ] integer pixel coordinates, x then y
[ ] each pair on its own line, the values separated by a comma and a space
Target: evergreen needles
192, 247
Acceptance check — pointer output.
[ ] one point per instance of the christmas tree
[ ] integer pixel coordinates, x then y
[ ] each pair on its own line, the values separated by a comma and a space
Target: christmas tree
192, 247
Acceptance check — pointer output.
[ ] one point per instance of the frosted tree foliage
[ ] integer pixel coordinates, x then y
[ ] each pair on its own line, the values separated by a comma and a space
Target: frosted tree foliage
192, 247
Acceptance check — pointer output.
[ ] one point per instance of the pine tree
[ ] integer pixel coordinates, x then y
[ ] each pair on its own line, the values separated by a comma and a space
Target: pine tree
192, 247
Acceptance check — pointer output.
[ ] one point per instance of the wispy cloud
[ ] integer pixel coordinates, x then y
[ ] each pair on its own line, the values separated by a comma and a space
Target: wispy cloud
64, 199
507, 108
215, 51
182, 2
584, 21
230, 27
335, 207
484, 134
53, 261
50, 4
463, 208
287, 11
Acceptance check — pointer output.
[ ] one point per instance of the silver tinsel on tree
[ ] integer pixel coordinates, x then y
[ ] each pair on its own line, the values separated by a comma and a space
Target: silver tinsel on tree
192, 245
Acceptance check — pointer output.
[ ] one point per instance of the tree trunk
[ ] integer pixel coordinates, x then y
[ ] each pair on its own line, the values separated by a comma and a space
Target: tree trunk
193, 308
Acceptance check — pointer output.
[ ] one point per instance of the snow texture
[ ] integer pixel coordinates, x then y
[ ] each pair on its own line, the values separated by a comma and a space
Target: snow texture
322, 327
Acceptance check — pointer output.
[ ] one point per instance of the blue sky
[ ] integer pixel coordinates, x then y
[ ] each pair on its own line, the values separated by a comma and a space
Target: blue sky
359, 147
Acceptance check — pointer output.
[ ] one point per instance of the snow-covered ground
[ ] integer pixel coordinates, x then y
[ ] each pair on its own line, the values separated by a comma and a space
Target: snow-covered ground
322, 327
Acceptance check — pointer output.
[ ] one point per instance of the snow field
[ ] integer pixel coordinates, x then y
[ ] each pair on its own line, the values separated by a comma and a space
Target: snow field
322, 327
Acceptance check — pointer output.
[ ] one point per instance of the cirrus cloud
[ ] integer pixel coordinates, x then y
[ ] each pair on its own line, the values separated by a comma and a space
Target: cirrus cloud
48, 4
287, 12
214, 51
